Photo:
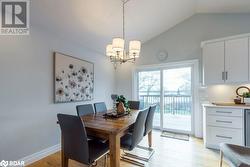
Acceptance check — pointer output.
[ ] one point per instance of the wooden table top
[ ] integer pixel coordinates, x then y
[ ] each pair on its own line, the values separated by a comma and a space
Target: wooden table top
96, 122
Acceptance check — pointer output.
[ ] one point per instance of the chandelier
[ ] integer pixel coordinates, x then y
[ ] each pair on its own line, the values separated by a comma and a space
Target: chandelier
117, 51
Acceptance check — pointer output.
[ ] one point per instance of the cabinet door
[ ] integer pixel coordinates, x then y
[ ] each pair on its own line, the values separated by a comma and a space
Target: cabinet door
249, 58
236, 60
213, 63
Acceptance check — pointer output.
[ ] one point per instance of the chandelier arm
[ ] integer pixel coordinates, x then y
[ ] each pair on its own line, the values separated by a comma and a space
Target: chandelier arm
129, 59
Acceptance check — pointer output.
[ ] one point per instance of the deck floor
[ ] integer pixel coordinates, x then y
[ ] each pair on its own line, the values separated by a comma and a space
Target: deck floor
175, 122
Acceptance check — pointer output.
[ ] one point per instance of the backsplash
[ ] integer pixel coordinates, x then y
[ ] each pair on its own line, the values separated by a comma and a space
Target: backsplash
219, 93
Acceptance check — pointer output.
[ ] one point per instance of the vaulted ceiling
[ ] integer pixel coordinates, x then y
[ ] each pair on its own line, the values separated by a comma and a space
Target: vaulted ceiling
93, 23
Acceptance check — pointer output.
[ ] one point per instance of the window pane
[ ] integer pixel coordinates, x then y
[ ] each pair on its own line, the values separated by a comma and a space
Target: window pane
149, 91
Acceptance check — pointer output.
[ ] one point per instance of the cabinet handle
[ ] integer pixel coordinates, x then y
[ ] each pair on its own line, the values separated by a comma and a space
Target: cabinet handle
224, 121
227, 112
223, 75
226, 75
224, 137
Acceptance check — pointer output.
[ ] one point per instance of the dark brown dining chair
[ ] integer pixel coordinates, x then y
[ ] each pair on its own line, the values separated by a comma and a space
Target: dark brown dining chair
100, 107
130, 140
135, 105
75, 144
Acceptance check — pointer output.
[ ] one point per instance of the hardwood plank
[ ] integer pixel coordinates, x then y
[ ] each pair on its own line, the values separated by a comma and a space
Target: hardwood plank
168, 152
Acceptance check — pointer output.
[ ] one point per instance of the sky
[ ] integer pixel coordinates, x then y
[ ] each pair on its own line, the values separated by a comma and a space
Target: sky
173, 79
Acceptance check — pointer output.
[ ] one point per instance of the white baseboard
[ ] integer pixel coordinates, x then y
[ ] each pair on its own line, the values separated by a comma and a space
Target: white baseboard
41, 154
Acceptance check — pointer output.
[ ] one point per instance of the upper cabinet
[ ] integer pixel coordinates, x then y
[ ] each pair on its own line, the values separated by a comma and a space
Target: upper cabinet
236, 60
213, 63
249, 58
226, 60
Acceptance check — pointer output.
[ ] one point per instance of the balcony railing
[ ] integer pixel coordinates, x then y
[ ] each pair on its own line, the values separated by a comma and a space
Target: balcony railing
172, 104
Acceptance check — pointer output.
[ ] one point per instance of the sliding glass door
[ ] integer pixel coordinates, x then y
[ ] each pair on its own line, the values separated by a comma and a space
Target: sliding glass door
149, 90
177, 99
171, 90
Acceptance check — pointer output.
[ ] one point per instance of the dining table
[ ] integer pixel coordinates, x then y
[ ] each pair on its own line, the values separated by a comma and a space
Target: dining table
111, 129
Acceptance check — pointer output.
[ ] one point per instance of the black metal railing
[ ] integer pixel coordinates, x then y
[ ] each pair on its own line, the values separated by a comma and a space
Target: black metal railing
172, 104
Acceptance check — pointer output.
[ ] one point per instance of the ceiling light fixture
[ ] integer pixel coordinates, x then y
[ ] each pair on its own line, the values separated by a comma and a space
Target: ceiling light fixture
117, 51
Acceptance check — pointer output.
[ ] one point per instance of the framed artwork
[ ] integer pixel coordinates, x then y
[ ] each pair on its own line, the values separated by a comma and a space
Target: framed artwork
73, 79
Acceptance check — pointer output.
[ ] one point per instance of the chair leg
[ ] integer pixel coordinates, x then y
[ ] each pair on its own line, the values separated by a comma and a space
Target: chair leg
65, 161
132, 161
150, 139
94, 164
146, 159
221, 158
106, 160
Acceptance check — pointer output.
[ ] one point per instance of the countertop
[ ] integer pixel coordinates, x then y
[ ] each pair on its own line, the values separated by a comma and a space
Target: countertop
227, 105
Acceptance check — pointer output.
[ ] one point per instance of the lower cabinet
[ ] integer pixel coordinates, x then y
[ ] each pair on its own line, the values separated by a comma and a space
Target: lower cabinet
223, 125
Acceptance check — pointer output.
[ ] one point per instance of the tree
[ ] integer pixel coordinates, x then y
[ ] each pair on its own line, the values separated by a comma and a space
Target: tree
148, 82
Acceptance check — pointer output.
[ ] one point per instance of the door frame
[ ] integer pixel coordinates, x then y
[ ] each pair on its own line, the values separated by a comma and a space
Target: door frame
196, 117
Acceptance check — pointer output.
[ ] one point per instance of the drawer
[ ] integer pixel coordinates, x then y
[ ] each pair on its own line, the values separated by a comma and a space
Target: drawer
233, 112
223, 121
217, 135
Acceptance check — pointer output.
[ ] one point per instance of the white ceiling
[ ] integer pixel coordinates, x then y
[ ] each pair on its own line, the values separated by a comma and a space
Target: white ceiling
223, 6
93, 23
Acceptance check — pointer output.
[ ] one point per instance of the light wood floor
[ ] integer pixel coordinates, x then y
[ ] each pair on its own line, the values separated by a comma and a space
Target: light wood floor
168, 153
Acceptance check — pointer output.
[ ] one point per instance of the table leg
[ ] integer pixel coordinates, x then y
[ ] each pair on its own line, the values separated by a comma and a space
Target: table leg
114, 146
64, 160
150, 139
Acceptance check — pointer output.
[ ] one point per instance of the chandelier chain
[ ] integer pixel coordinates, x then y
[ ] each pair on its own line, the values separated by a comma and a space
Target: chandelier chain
123, 20
123, 17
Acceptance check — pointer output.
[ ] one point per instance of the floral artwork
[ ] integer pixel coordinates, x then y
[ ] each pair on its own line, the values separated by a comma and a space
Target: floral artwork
74, 79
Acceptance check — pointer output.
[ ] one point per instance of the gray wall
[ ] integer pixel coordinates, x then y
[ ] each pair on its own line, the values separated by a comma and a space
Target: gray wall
27, 113
182, 42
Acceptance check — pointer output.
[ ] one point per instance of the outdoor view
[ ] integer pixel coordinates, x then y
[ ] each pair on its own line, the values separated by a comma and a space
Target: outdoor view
177, 97
149, 91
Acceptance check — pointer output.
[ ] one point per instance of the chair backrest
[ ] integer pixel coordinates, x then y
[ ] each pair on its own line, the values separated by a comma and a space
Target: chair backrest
139, 127
100, 107
74, 136
114, 97
149, 119
134, 105
84, 109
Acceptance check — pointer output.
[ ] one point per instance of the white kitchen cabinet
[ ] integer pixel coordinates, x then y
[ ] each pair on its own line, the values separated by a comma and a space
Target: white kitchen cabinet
226, 60
249, 58
236, 60
223, 125
213, 63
